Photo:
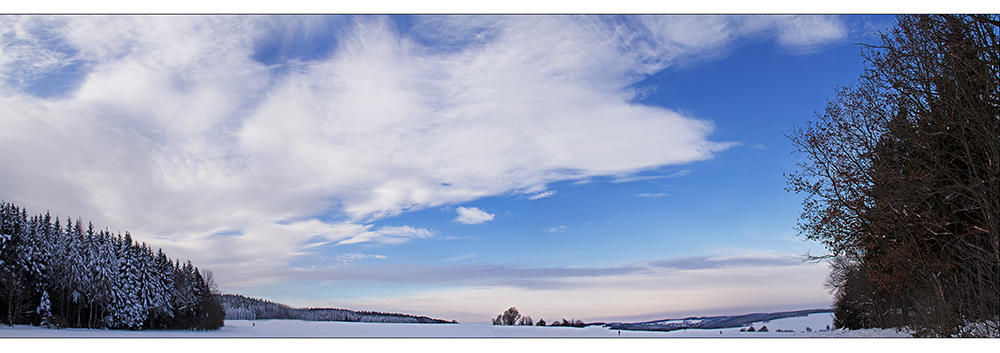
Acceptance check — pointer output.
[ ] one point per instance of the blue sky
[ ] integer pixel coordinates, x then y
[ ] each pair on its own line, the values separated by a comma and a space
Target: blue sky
592, 167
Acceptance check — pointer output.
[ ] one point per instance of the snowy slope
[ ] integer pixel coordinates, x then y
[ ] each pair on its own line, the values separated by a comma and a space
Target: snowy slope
713, 322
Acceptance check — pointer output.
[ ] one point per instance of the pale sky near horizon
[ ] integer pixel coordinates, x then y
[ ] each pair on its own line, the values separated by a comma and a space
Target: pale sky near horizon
604, 168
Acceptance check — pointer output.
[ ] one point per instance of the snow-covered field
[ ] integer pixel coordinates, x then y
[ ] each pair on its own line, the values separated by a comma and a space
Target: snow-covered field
316, 329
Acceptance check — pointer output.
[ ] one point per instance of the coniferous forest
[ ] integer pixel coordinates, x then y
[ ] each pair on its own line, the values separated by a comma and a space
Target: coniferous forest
69, 275
239, 307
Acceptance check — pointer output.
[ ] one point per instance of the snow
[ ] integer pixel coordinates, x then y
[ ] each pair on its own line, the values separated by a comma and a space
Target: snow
817, 322
307, 329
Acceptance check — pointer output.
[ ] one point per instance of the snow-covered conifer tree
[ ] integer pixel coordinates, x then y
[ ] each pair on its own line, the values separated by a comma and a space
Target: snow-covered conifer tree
44, 309
74, 276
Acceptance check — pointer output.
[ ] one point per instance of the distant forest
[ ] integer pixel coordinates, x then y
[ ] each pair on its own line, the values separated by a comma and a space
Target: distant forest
74, 276
239, 307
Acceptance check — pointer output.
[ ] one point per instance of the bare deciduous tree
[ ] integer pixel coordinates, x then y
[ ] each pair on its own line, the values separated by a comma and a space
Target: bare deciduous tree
510, 316
902, 178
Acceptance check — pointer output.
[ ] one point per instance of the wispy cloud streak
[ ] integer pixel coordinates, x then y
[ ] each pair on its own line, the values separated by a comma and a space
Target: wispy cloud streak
542, 277
667, 287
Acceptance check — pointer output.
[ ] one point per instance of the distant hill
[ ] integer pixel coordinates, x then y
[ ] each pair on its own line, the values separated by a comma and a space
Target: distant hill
239, 307
711, 322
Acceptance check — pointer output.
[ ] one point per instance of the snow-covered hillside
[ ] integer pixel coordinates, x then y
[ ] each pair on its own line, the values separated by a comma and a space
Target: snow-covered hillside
714, 322
299, 328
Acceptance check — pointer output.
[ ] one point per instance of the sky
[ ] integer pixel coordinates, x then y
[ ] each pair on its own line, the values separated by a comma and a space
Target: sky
603, 168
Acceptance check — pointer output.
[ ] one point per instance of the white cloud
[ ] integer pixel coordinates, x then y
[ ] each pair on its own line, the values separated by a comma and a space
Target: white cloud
173, 131
267, 246
659, 194
702, 36
472, 215
542, 195
807, 33
388, 235
556, 229
636, 178
462, 257
346, 258
633, 178
679, 173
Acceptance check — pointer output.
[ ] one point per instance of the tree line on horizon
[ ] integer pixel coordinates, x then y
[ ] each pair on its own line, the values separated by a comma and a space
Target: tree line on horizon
239, 307
74, 276
511, 317
902, 177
